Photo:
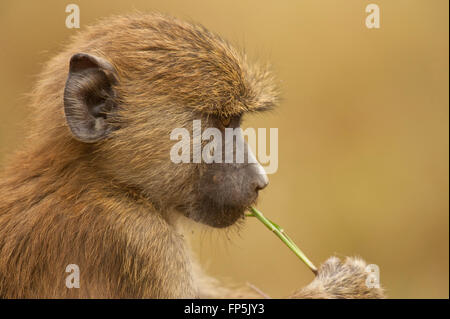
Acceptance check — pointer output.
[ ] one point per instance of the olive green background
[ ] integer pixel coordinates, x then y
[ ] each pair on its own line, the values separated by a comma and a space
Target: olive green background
363, 130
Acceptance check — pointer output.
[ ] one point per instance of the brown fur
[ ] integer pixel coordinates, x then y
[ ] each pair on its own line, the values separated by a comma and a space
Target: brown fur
110, 207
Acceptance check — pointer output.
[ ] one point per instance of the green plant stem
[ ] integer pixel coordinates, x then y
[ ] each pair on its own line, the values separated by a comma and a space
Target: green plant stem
283, 236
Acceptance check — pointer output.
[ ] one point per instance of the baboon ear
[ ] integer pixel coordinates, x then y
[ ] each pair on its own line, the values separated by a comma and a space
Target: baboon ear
90, 98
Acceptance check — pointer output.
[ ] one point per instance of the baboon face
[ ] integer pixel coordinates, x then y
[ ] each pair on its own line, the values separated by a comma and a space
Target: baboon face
127, 102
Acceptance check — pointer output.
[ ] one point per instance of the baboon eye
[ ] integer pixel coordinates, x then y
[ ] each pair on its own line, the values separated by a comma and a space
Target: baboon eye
226, 121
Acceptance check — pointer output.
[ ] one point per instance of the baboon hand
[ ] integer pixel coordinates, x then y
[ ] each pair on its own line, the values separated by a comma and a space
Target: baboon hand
337, 279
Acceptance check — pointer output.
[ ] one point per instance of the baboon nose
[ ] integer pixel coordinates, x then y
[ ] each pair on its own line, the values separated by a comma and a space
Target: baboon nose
261, 179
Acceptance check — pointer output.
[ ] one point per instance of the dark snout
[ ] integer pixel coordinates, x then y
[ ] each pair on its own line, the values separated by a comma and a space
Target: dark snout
236, 185
226, 191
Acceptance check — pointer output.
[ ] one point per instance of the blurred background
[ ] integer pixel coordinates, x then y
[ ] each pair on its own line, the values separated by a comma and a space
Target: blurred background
363, 130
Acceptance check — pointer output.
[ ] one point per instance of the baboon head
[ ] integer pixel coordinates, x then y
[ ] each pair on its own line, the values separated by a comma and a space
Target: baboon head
132, 80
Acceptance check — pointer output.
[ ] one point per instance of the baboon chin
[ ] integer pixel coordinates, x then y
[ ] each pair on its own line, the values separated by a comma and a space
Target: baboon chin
95, 186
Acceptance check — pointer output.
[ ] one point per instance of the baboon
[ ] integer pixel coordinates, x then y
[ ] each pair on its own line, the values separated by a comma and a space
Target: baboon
94, 185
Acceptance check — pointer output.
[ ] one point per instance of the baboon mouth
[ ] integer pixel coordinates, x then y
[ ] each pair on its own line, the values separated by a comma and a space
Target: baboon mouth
217, 215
